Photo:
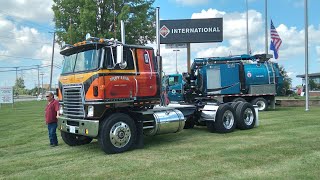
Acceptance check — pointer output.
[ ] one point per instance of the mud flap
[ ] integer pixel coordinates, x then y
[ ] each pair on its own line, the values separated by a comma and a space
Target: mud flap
139, 141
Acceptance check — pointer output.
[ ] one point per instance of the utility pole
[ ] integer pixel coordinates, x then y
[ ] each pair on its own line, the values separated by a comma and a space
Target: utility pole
16, 73
42, 83
52, 56
176, 50
38, 79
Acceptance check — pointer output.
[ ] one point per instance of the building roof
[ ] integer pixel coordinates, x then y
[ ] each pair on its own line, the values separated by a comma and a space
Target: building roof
310, 75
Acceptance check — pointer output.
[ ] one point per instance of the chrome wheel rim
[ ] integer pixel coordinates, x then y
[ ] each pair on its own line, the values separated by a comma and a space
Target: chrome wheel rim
228, 119
261, 105
120, 134
248, 116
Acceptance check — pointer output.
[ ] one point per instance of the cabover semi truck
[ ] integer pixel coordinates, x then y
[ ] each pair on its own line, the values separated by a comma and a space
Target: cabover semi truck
229, 79
111, 91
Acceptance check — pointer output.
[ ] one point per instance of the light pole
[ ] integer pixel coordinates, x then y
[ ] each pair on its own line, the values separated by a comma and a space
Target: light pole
306, 50
176, 50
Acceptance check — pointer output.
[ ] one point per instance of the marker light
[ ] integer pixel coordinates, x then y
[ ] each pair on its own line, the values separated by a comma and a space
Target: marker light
90, 111
61, 110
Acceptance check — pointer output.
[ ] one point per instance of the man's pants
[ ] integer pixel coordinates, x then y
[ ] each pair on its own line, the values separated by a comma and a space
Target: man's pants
52, 133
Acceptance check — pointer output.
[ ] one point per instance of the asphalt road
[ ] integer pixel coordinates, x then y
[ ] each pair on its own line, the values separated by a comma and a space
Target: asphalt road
25, 98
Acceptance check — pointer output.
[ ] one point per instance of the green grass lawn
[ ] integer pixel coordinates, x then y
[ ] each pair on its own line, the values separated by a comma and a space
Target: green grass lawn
286, 145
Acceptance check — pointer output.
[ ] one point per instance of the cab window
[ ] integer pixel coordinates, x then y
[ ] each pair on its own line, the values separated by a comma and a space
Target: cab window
111, 57
173, 80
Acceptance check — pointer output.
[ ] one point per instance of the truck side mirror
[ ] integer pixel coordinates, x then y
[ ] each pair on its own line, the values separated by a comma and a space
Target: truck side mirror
119, 54
122, 64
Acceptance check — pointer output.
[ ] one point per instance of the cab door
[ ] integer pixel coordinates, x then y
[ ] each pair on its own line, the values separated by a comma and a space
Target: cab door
146, 73
120, 78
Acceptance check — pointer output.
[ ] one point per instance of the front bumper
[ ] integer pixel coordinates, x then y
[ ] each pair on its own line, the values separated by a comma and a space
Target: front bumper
79, 126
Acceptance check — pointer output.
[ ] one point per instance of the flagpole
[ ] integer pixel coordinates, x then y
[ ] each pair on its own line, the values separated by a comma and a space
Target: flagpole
306, 52
266, 26
247, 28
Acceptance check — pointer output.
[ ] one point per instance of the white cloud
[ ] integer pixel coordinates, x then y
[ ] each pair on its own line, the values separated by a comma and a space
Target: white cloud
234, 32
314, 34
210, 13
213, 52
32, 10
191, 2
24, 46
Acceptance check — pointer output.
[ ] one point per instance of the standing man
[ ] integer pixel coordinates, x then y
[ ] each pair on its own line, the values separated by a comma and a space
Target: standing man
52, 109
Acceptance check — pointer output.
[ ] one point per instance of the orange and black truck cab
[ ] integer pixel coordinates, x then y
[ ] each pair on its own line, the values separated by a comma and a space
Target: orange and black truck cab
94, 83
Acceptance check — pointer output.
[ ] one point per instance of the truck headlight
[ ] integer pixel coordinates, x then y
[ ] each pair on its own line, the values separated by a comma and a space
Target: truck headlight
90, 111
61, 110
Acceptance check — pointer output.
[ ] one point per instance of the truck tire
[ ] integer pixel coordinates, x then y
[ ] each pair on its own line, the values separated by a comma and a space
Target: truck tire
234, 105
117, 134
239, 99
75, 140
261, 103
245, 116
224, 121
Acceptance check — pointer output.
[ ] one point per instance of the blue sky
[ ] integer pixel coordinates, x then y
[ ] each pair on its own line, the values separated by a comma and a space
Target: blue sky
26, 41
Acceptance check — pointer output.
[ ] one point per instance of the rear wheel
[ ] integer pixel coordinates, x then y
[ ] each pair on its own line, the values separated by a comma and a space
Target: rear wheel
261, 103
234, 105
75, 140
245, 116
117, 134
224, 121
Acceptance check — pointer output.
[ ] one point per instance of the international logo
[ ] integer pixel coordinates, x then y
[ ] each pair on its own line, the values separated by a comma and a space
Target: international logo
164, 31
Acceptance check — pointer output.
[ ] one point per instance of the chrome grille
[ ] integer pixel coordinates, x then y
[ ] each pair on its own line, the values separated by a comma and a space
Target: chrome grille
73, 102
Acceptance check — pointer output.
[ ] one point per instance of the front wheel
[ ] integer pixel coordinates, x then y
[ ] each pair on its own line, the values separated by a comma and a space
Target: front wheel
117, 134
75, 140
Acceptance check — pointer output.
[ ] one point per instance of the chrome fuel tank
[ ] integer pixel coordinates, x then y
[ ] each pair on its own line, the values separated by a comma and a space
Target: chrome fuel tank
165, 121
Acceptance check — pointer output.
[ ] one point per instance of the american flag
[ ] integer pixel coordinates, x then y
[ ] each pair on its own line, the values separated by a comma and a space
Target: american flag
275, 40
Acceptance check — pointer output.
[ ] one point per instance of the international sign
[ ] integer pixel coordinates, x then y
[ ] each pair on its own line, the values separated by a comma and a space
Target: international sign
6, 95
191, 31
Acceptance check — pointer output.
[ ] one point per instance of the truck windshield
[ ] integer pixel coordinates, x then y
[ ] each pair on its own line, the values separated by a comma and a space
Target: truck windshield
173, 80
81, 61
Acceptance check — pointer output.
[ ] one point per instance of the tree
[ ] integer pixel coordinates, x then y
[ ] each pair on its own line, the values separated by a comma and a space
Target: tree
101, 18
33, 91
286, 81
312, 84
19, 87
